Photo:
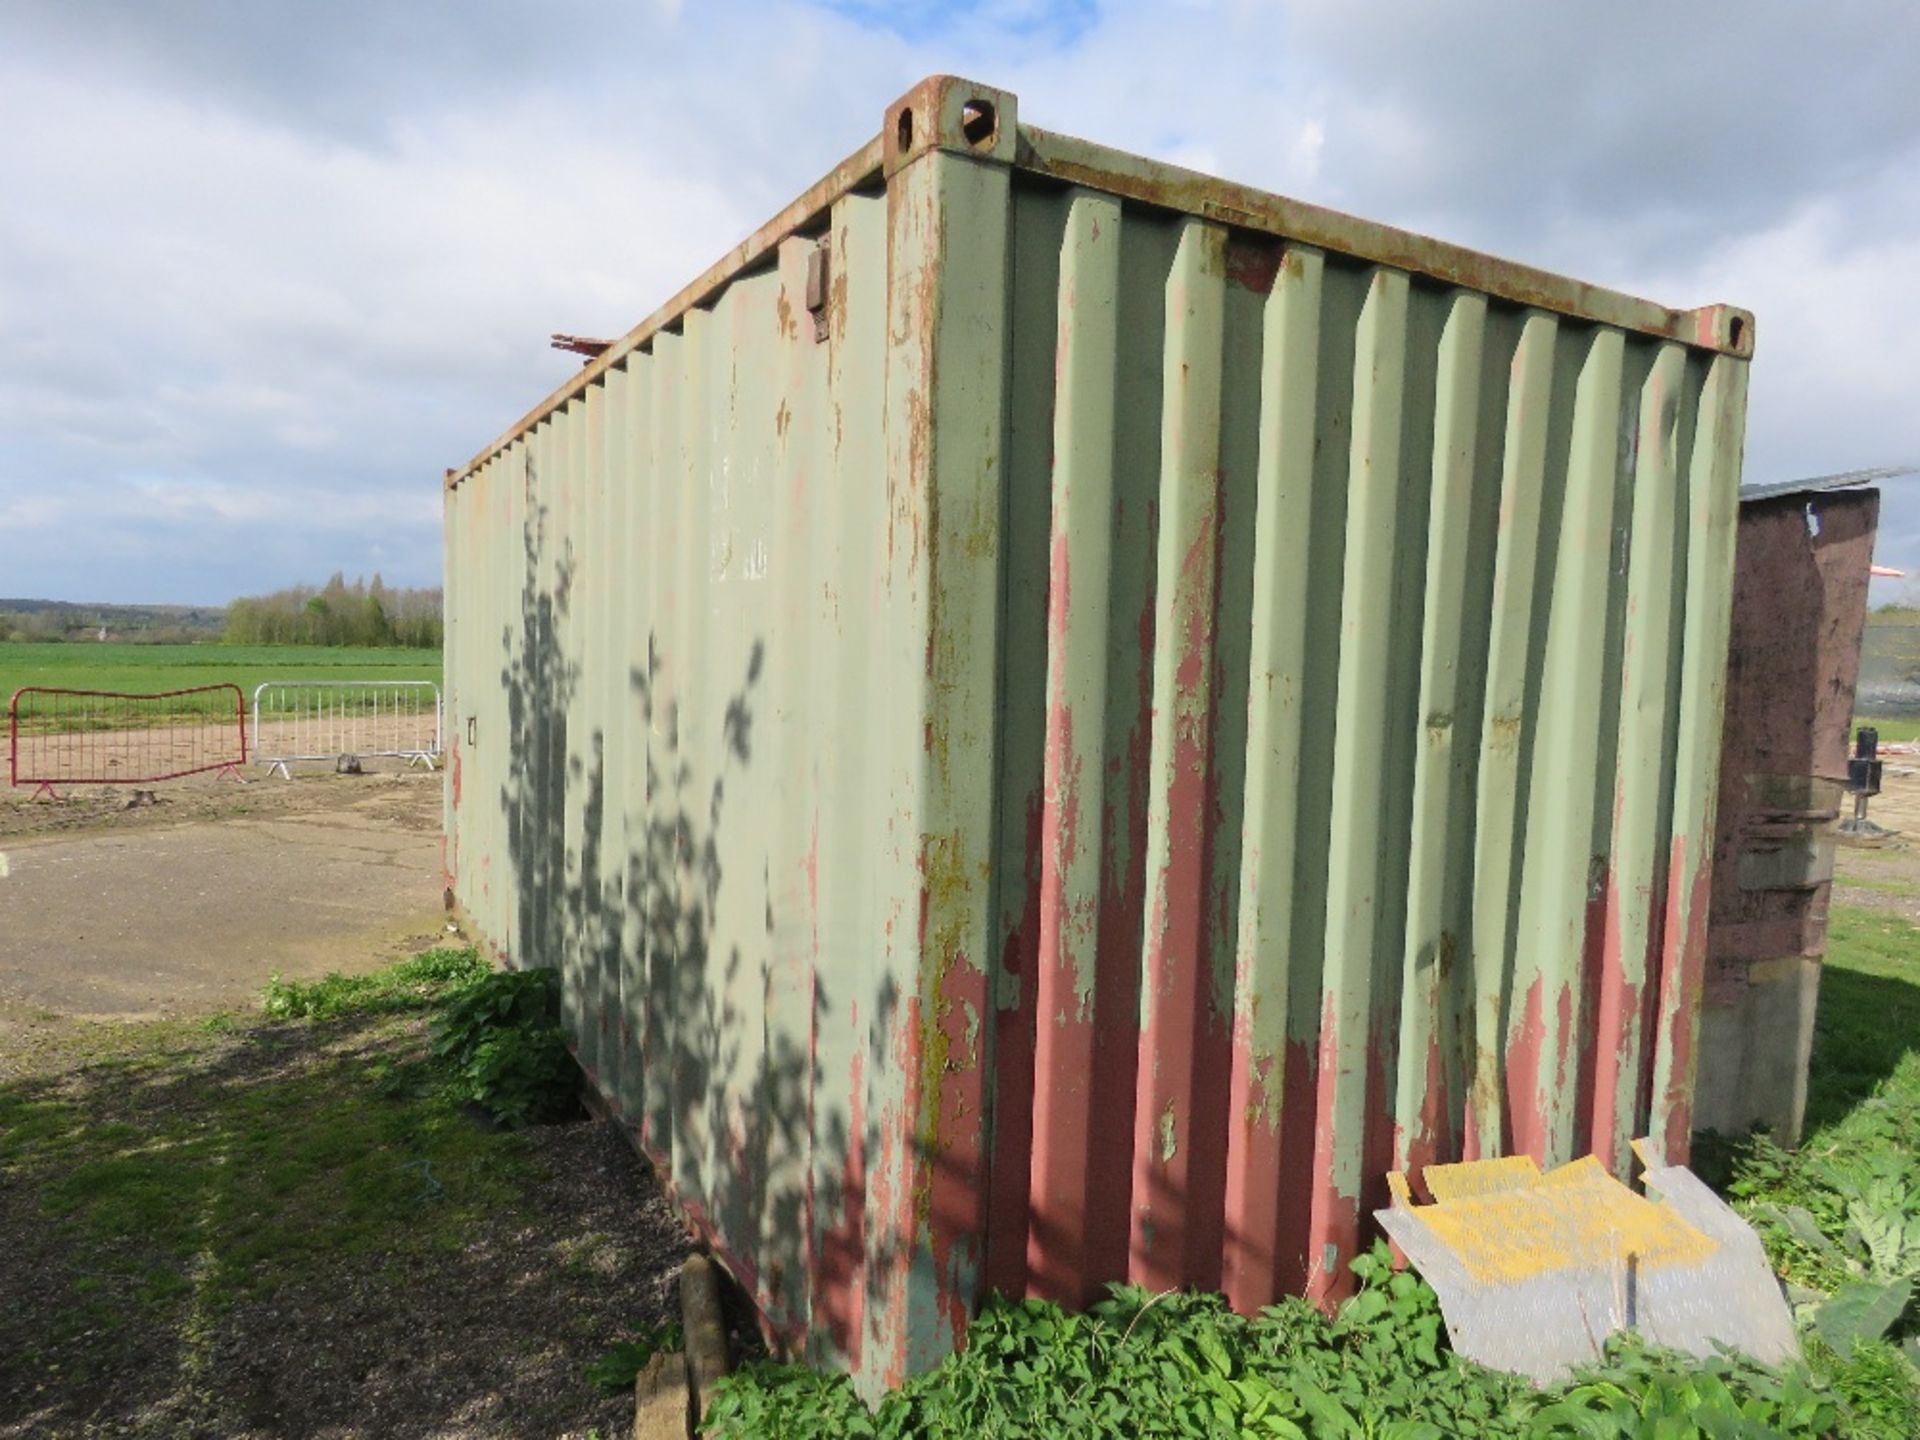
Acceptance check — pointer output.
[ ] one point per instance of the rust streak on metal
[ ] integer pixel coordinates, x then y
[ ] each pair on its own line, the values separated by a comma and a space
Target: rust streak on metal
1080, 162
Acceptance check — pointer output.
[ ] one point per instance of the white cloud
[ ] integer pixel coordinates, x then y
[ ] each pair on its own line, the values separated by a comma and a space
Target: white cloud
282, 261
1307, 146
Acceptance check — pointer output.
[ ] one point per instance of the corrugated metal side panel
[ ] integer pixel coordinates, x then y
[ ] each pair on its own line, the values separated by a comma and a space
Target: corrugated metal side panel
1383, 624
703, 614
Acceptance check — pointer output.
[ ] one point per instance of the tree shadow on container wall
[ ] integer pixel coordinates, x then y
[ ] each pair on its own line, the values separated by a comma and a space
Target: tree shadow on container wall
540, 685
735, 1043
698, 1032
738, 1113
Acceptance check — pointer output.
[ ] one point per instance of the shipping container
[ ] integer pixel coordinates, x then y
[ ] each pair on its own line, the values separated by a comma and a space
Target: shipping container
1059, 716
1802, 560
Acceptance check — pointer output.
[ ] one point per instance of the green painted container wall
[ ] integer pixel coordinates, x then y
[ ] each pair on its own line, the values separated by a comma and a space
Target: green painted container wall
1171, 703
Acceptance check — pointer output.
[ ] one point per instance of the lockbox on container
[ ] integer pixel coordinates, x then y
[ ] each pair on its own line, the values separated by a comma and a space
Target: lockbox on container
1059, 716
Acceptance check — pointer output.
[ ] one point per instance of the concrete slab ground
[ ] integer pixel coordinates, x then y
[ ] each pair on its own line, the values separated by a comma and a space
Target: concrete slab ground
138, 917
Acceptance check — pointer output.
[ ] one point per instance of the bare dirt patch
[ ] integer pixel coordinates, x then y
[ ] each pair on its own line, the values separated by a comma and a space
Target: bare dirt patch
410, 797
190, 903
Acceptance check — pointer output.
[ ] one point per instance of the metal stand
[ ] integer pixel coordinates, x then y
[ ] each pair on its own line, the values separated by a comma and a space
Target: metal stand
1863, 781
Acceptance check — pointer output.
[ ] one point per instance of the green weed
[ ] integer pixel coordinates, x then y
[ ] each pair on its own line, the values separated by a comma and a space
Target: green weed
500, 1036
1184, 1365
410, 985
496, 1034
621, 1365
1840, 1217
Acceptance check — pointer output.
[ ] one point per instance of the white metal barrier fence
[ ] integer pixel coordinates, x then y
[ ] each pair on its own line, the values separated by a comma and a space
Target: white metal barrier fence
346, 720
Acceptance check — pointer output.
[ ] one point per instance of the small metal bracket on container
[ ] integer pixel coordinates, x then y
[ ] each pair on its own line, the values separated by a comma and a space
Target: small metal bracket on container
817, 277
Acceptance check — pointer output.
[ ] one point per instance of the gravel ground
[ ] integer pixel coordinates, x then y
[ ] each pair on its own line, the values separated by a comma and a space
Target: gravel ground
490, 1341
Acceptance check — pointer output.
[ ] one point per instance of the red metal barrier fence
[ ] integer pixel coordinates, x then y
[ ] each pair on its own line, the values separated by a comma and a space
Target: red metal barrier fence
99, 737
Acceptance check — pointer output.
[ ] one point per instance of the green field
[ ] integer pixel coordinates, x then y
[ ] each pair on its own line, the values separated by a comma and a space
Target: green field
148, 669
1903, 728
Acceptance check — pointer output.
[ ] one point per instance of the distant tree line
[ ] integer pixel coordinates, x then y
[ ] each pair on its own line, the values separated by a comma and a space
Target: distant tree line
366, 612
57, 620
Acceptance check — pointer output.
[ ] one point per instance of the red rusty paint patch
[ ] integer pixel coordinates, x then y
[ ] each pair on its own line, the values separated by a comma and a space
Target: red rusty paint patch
1249, 1271
1614, 1000
1115, 1047
1428, 1139
1376, 1150
1064, 1036
1179, 1127
1619, 1018
1298, 1123
1336, 1214
1253, 264
839, 1260
1680, 1000
1325, 1226
1526, 1113
1556, 1084
895, 1190
958, 1180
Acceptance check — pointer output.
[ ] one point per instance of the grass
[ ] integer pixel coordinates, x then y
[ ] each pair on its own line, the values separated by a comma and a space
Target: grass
242, 1224
1866, 1055
289, 1221
1878, 885
180, 1169
1892, 728
146, 669
1857, 1172
185, 1166
397, 988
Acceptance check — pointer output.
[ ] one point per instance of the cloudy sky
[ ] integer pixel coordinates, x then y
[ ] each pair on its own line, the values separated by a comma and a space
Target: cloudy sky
267, 268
